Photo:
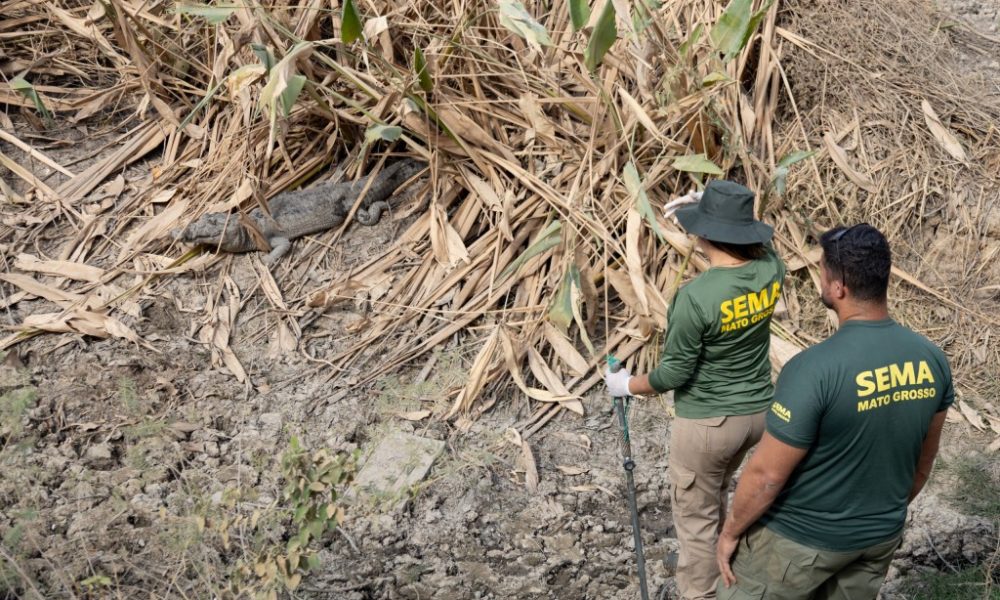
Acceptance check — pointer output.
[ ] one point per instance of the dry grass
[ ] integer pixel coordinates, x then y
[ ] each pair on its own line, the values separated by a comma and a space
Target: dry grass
533, 244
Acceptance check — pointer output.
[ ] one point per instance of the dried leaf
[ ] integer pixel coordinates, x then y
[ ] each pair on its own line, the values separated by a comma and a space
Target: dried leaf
528, 103
155, 228
37, 288
634, 262
572, 471
640, 114
565, 351
840, 159
941, 133
530, 470
416, 415
591, 487
476, 378
61, 268
971, 415
449, 250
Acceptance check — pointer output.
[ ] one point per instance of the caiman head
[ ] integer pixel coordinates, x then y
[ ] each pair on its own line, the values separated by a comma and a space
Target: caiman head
215, 229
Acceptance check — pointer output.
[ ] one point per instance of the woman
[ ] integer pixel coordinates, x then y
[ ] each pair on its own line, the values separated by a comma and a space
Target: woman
716, 360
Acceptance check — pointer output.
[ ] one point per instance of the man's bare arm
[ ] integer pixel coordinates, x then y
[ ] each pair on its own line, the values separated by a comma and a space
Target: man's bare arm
765, 475
927, 453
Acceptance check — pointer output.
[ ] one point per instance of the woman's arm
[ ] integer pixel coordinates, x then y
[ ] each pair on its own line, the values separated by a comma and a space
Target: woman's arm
681, 350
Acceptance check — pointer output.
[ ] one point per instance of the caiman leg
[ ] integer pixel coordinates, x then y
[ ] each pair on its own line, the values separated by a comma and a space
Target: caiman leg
279, 247
372, 214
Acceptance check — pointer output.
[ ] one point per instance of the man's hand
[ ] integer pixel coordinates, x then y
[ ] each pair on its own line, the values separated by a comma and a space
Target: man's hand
724, 555
617, 382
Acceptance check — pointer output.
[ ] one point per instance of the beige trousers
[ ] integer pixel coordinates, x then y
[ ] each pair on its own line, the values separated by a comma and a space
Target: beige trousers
704, 454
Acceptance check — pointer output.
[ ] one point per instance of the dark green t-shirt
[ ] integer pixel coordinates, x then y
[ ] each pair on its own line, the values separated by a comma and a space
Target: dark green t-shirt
861, 402
715, 357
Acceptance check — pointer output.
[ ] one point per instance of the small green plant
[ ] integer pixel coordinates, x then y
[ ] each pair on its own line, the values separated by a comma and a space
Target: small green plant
314, 484
973, 583
95, 583
128, 395
22, 86
13, 406
977, 490
147, 428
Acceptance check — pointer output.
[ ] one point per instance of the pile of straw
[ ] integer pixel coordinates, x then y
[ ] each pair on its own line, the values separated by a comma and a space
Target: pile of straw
539, 241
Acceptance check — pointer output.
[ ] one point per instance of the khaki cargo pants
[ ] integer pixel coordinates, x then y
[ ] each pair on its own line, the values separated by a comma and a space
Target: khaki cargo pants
704, 454
769, 565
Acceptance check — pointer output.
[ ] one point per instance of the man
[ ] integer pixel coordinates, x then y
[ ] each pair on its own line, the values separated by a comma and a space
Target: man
851, 438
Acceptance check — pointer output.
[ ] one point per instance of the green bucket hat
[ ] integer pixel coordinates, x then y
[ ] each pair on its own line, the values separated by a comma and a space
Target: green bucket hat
725, 214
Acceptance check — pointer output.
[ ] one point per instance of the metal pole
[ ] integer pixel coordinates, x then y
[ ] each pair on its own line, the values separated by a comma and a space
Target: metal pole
629, 464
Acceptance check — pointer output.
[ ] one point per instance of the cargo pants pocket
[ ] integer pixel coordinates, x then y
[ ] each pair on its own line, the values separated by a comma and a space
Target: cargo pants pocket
743, 589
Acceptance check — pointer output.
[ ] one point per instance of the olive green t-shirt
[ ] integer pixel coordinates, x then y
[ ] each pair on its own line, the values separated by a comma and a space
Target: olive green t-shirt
861, 402
715, 356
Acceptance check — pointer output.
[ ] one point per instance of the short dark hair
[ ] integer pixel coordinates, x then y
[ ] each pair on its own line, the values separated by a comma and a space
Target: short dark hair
741, 251
860, 257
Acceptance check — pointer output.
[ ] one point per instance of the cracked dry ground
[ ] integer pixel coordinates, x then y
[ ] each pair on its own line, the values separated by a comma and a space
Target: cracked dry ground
135, 468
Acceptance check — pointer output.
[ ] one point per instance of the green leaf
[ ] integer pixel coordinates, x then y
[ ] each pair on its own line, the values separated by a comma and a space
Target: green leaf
579, 13
264, 54
212, 14
713, 78
21, 86
350, 26
389, 133
691, 41
201, 104
633, 183
514, 17
734, 28
604, 35
545, 240
312, 562
794, 157
291, 92
420, 67
561, 313
779, 180
283, 84
316, 529
300, 513
697, 163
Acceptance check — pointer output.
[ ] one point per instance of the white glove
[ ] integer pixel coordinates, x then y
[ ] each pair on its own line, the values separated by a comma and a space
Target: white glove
671, 207
617, 382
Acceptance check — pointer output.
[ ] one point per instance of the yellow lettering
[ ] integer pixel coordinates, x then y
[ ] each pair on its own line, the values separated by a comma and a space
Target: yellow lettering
865, 384
727, 311
924, 374
901, 377
882, 378
783, 413
775, 292
740, 307
757, 302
